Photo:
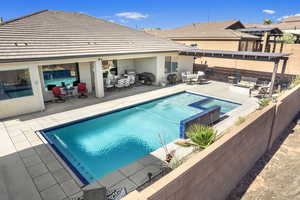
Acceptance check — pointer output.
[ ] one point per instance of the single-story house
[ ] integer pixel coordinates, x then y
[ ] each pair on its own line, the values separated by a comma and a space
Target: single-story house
223, 35
49, 47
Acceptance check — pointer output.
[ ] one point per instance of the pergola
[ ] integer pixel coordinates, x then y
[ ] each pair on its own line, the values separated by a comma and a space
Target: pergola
244, 55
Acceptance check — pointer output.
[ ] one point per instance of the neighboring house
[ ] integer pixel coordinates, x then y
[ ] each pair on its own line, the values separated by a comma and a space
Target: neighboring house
223, 35
235, 36
290, 25
42, 49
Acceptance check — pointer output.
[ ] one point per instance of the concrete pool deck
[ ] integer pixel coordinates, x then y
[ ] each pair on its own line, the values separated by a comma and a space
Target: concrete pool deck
30, 170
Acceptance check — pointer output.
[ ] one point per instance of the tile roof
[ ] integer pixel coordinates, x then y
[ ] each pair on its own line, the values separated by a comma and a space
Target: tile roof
291, 19
204, 30
282, 26
55, 34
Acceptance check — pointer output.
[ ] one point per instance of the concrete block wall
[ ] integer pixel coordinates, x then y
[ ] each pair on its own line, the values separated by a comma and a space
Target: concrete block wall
212, 173
288, 107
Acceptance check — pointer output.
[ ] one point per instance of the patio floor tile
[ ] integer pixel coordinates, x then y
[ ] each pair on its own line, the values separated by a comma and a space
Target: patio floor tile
126, 183
141, 176
37, 170
70, 187
61, 175
53, 193
54, 165
111, 179
22, 145
149, 159
26, 152
44, 181
31, 160
18, 138
131, 168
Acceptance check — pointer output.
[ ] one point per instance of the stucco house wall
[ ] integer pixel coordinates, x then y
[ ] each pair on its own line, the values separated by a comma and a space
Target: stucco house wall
22, 105
152, 62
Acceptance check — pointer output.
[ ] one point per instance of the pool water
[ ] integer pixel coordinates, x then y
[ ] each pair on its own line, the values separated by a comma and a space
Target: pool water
98, 146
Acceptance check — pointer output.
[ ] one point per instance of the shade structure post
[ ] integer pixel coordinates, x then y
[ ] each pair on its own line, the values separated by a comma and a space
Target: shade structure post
273, 77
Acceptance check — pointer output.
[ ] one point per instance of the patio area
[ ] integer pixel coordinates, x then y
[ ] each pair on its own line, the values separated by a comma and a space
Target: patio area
29, 169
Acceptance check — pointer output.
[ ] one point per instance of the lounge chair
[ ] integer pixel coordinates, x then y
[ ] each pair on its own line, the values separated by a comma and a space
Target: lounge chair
247, 82
262, 91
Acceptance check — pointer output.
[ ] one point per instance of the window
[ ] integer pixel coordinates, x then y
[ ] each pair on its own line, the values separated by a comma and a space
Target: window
61, 74
111, 66
170, 64
14, 84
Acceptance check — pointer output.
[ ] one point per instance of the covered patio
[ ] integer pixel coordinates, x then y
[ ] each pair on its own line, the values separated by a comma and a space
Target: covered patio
276, 58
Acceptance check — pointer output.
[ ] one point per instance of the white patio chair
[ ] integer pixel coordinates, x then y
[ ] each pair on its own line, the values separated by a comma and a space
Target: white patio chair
127, 82
120, 83
184, 77
108, 83
131, 79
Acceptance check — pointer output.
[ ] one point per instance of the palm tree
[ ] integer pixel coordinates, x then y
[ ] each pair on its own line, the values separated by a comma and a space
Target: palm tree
267, 21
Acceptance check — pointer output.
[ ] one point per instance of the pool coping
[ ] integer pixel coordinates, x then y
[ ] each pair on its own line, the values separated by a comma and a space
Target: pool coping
157, 153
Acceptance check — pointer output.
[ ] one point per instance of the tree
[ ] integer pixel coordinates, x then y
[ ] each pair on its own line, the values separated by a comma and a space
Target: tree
267, 21
287, 38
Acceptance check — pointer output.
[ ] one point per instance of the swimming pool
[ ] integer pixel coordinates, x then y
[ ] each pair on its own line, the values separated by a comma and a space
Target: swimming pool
96, 146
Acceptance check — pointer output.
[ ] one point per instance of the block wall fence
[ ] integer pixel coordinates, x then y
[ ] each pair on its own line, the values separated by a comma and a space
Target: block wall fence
214, 172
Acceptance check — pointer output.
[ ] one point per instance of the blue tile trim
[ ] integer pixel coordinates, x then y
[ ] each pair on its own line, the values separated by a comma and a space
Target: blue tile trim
214, 98
185, 121
61, 155
68, 163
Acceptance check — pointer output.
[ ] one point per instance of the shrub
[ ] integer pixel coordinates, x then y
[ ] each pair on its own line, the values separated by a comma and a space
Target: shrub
287, 38
264, 102
201, 135
240, 120
295, 82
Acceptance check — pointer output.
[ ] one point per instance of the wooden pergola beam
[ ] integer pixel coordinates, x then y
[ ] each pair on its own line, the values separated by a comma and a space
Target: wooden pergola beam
275, 69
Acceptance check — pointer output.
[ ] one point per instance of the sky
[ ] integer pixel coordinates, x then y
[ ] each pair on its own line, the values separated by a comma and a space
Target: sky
160, 13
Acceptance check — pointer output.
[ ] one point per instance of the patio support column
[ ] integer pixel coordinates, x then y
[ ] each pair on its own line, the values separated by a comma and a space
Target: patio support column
273, 77
284, 66
99, 87
160, 69
265, 42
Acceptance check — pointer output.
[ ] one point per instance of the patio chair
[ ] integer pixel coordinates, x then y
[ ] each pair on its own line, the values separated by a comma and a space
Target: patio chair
58, 95
81, 88
172, 78
120, 84
184, 77
127, 82
131, 79
108, 83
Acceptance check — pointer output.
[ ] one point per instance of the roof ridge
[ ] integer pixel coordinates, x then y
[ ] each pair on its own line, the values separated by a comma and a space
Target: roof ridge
22, 17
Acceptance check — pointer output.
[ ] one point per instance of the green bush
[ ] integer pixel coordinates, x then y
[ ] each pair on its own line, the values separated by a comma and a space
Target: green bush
201, 135
240, 120
295, 82
264, 102
287, 38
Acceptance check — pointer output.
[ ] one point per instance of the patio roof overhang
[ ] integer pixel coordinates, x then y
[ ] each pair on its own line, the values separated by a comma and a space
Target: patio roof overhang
241, 55
244, 55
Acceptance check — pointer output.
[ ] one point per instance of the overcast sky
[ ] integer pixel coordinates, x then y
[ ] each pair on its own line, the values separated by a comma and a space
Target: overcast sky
160, 13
